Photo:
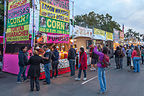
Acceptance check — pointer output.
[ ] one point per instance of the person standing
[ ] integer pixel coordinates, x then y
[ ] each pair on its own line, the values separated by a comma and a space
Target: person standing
55, 61
94, 60
103, 58
117, 57
71, 58
82, 64
129, 53
90, 54
142, 54
121, 56
34, 70
47, 64
136, 59
23, 60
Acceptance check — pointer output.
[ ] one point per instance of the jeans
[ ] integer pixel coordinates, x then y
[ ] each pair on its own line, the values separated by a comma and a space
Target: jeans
79, 74
47, 72
55, 67
102, 79
72, 67
136, 64
36, 79
22, 70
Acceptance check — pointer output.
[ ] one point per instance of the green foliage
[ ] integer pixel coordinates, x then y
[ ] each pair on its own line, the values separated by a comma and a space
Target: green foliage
94, 20
132, 34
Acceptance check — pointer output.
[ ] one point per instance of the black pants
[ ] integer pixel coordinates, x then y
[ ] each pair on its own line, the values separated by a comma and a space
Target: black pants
36, 80
128, 61
55, 68
142, 59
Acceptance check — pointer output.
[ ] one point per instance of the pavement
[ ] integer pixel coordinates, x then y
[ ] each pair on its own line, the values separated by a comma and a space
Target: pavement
119, 83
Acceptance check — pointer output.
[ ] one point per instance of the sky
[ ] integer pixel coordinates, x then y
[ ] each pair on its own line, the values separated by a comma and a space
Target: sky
127, 12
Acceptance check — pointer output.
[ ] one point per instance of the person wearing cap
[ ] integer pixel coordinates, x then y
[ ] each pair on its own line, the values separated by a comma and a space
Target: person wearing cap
47, 64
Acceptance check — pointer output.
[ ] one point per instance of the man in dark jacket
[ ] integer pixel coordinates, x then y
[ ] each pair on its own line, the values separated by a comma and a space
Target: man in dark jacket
55, 61
23, 60
47, 63
71, 58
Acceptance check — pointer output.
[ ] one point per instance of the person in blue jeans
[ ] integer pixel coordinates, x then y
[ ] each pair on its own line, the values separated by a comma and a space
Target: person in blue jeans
71, 58
101, 69
136, 59
47, 64
23, 60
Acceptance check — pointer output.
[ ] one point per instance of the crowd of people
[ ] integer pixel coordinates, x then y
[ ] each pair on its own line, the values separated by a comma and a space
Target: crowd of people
100, 58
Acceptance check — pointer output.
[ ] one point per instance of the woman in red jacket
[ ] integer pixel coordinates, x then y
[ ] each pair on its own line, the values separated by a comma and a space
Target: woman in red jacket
82, 64
136, 59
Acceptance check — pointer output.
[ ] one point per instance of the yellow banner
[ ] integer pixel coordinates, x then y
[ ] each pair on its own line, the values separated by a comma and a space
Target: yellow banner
51, 11
16, 3
109, 36
99, 32
20, 33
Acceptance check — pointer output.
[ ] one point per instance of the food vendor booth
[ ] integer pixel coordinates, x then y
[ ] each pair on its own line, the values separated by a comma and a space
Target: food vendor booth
109, 39
99, 37
82, 37
35, 28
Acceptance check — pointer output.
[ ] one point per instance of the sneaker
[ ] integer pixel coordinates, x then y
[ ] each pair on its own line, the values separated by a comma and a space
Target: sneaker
77, 79
84, 79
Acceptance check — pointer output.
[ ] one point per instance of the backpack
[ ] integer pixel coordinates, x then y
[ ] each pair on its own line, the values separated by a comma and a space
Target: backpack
105, 63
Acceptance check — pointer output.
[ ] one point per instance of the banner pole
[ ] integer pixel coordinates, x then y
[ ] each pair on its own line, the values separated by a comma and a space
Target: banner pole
33, 31
73, 21
5, 24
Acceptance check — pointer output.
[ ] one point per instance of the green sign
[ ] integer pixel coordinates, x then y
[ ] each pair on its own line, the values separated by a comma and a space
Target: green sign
19, 21
49, 25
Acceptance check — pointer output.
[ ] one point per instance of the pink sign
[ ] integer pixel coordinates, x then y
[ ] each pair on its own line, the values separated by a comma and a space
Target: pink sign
56, 38
59, 3
11, 63
22, 10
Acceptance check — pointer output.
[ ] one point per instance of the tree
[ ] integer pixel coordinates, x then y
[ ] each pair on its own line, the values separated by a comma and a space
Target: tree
130, 34
99, 21
1, 16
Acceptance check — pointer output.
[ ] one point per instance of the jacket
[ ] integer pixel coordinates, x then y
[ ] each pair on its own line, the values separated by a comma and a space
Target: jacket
34, 62
134, 54
72, 54
49, 55
101, 56
55, 55
23, 58
129, 53
118, 54
83, 61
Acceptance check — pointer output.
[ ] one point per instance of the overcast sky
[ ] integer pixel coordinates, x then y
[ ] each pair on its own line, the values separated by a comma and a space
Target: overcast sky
127, 12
